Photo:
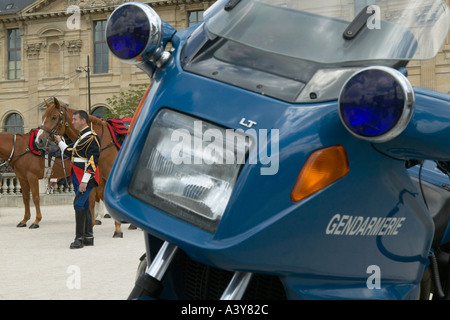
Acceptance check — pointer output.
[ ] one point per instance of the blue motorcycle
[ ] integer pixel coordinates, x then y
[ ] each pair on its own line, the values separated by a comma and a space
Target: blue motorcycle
280, 152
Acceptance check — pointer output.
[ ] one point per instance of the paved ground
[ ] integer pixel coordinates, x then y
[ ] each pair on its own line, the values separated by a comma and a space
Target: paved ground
38, 264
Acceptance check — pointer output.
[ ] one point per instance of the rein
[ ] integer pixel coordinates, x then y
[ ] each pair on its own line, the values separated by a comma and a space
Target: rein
108, 146
101, 138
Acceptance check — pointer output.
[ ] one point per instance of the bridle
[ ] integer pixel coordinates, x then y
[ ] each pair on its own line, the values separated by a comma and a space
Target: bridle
62, 121
12, 152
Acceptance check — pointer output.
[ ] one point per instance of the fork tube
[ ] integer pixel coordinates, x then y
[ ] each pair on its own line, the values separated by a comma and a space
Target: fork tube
149, 284
162, 261
237, 286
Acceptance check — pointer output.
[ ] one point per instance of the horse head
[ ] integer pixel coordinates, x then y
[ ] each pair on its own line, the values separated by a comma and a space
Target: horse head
55, 121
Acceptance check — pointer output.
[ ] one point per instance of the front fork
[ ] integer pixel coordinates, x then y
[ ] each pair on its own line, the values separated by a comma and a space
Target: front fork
149, 284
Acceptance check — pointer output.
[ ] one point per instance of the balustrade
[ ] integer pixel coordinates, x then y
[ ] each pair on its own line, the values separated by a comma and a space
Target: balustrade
11, 186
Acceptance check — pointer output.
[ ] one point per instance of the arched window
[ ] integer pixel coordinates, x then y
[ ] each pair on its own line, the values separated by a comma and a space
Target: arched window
100, 112
14, 123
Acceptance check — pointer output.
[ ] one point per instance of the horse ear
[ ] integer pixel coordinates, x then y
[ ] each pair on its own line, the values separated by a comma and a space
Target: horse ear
47, 104
56, 102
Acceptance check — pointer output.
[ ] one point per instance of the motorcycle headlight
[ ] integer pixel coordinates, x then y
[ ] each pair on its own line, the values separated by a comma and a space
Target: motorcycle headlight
187, 168
376, 104
133, 32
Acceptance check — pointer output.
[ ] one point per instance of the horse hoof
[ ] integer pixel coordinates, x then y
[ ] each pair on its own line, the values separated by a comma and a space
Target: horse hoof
132, 227
98, 223
21, 225
34, 226
107, 216
118, 235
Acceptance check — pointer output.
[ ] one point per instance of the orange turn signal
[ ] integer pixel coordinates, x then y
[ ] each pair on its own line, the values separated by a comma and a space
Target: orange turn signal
322, 168
138, 109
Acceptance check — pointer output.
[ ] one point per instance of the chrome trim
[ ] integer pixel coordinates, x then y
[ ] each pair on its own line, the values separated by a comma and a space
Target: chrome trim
408, 107
153, 49
163, 59
237, 286
162, 261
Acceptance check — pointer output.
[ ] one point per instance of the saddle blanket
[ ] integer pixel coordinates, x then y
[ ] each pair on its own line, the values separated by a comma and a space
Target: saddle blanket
119, 129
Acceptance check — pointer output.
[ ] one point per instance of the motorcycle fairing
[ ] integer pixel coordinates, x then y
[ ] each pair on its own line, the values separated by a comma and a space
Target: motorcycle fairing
262, 230
259, 227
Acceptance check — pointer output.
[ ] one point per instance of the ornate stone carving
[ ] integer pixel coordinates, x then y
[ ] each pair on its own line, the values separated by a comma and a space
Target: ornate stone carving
73, 46
93, 4
33, 49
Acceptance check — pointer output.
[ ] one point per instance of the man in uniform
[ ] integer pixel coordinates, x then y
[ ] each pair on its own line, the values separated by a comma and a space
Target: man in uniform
84, 175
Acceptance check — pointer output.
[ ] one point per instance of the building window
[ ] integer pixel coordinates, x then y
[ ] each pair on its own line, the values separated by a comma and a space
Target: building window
195, 17
14, 54
101, 54
100, 112
14, 123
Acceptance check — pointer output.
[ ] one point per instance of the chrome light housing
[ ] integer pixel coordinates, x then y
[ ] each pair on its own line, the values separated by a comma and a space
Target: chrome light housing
133, 33
179, 173
376, 104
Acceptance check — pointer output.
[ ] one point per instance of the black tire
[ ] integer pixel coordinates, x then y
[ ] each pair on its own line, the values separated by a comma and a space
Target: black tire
142, 267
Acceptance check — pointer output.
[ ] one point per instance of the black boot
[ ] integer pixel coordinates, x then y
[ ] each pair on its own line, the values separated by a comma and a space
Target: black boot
80, 221
88, 239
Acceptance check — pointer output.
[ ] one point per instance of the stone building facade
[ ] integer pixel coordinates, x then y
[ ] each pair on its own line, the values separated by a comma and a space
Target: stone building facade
44, 50
433, 74
45, 44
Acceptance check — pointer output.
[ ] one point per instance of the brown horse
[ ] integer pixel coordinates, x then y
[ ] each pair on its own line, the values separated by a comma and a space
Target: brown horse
29, 168
57, 120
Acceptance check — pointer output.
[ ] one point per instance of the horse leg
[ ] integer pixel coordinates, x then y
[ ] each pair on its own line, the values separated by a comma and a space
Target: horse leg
118, 228
118, 231
36, 200
92, 206
26, 202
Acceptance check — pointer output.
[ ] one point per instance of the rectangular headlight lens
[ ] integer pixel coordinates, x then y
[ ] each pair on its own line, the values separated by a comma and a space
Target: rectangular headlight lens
188, 168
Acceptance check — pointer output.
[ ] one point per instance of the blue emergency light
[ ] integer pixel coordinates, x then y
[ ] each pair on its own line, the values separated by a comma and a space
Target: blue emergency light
133, 33
376, 103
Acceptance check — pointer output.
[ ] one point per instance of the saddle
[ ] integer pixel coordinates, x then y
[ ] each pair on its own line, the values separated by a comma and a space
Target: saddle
118, 128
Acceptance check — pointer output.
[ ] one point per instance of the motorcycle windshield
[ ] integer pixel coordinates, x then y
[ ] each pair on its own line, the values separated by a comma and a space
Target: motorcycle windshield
335, 32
